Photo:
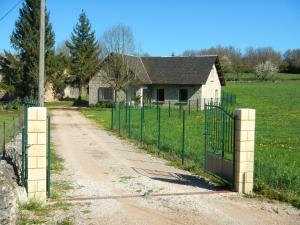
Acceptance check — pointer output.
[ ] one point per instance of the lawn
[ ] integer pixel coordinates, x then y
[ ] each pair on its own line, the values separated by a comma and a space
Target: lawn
252, 76
277, 145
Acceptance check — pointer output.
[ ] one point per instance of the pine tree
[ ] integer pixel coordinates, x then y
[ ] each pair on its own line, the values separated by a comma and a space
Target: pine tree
21, 72
84, 52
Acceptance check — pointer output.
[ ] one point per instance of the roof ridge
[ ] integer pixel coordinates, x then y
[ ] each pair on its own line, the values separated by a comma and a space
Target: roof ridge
200, 56
145, 69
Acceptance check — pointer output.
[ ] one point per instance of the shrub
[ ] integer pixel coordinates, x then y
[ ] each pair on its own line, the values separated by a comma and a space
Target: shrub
265, 70
105, 104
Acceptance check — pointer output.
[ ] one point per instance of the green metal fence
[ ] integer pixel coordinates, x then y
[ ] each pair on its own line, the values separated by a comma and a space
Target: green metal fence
174, 130
10, 127
181, 130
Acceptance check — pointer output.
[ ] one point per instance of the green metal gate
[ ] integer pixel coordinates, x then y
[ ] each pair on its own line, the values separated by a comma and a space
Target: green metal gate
219, 141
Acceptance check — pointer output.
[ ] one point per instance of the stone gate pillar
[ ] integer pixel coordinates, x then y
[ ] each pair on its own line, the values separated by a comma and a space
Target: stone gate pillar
244, 149
37, 166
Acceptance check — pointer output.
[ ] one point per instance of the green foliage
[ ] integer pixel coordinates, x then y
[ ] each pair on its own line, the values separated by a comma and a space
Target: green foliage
60, 64
81, 103
66, 221
34, 205
21, 70
15, 104
60, 188
104, 104
36, 212
252, 77
84, 51
56, 162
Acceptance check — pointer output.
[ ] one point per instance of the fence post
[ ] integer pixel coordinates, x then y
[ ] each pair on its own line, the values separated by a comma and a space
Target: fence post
141, 131
49, 158
14, 127
4, 134
129, 121
169, 108
157, 110
112, 117
126, 108
183, 137
158, 132
189, 107
119, 119
23, 157
180, 108
244, 150
205, 135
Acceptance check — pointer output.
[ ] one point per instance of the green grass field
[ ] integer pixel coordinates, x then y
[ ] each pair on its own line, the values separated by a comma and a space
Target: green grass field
277, 145
252, 76
8, 117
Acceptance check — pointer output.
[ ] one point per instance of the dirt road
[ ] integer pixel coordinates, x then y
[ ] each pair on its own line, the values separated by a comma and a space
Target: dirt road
124, 185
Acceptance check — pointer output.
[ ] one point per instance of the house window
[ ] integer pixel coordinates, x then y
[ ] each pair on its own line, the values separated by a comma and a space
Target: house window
160, 95
183, 95
105, 93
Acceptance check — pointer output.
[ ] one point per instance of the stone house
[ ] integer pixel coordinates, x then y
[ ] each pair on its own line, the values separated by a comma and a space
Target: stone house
164, 79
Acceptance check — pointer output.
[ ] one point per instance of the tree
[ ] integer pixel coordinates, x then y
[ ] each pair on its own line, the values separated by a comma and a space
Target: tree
119, 69
21, 70
255, 56
291, 62
59, 74
265, 70
226, 64
84, 53
62, 48
118, 39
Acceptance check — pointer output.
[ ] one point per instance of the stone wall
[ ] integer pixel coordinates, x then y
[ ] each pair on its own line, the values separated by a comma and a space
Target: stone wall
10, 194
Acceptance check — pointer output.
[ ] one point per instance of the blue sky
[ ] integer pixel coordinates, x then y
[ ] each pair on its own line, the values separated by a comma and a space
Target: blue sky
165, 26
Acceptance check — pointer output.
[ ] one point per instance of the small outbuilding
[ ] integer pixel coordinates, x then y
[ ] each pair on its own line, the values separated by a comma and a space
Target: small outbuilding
166, 79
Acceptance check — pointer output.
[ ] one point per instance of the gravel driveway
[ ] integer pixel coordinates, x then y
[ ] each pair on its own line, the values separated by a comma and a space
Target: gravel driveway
116, 183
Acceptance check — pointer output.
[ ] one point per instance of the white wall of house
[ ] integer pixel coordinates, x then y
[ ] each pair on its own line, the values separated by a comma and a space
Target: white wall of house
212, 88
71, 92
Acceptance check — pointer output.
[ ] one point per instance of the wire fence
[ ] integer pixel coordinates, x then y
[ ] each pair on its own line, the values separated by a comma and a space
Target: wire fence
173, 127
10, 127
174, 130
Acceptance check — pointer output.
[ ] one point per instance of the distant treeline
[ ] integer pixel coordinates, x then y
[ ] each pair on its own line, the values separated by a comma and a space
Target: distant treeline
233, 60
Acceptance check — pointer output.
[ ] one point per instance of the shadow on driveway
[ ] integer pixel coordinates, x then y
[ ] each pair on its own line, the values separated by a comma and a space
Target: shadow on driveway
177, 178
